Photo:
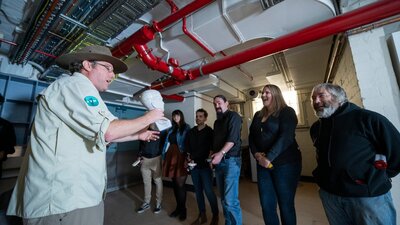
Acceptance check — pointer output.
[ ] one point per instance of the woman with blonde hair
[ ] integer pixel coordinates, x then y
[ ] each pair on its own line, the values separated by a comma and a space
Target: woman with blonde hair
273, 144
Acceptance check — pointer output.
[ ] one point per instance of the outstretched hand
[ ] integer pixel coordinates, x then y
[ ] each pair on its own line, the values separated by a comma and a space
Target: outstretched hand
149, 135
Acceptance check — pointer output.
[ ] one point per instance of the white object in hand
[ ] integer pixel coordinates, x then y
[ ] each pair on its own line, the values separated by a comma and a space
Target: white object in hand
192, 164
136, 163
152, 99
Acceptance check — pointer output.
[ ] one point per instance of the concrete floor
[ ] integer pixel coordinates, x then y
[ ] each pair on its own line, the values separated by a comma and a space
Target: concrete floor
120, 207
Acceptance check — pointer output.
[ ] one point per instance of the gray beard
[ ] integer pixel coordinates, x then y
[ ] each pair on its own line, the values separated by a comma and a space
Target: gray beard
326, 112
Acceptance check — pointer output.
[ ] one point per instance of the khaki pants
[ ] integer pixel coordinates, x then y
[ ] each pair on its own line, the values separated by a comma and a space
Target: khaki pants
86, 216
151, 168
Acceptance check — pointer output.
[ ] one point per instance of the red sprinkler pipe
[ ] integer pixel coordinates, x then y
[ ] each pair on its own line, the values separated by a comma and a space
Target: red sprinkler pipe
171, 3
188, 9
353, 19
356, 18
146, 33
177, 98
184, 29
139, 40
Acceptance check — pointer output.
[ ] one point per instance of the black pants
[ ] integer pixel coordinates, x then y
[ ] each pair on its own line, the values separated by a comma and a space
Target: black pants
178, 184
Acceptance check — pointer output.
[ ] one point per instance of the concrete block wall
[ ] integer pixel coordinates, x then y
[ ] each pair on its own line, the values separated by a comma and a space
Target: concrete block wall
346, 77
377, 83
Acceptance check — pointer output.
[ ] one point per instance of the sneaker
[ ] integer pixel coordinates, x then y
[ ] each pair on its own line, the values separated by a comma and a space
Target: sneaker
157, 210
145, 206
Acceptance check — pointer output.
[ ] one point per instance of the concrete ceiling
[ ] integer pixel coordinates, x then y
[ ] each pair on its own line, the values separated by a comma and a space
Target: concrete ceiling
225, 27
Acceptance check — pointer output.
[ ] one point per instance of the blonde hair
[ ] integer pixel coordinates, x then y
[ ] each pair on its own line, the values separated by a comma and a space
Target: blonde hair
278, 102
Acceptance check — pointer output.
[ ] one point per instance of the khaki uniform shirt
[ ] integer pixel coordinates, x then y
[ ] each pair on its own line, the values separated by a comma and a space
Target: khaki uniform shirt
64, 167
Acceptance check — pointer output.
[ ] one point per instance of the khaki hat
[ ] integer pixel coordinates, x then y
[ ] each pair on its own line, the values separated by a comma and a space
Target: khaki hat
92, 53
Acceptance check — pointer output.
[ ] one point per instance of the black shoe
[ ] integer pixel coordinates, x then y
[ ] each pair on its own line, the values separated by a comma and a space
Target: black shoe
145, 206
175, 213
157, 210
182, 216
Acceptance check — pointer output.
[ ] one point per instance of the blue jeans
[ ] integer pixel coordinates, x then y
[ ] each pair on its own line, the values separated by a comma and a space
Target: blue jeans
358, 210
278, 186
227, 174
202, 181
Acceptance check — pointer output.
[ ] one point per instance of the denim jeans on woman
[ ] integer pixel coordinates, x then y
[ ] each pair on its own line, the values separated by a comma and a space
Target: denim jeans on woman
278, 185
227, 174
202, 181
377, 210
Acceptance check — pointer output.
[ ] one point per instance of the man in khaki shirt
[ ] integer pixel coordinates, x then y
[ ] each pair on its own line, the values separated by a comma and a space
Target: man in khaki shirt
63, 176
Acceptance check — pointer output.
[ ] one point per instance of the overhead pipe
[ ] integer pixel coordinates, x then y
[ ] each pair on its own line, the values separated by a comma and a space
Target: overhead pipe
177, 98
353, 19
188, 9
249, 76
42, 25
146, 34
191, 36
171, 3
36, 50
356, 18
174, 8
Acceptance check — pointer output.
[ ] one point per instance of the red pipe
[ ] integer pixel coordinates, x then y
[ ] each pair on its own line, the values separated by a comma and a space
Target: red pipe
139, 40
157, 64
38, 51
146, 33
46, 54
356, 18
164, 84
174, 97
8, 42
171, 3
184, 29
188, 9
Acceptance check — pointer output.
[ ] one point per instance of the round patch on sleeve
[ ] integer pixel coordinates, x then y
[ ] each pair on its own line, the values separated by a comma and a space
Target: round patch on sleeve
91, 101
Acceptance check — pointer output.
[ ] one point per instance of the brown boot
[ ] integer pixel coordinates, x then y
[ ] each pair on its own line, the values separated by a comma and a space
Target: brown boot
214, 220
200, 220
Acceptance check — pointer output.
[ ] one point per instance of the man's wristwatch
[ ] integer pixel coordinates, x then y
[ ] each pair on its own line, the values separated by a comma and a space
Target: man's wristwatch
223, 152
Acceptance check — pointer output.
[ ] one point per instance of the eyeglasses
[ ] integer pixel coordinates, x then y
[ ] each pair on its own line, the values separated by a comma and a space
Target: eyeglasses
110, 69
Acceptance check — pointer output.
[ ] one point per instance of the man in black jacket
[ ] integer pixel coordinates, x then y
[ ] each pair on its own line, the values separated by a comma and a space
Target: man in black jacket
198, 147
357, 154
227, 159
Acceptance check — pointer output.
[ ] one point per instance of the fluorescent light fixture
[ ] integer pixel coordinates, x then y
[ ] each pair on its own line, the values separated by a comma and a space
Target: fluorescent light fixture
201, 84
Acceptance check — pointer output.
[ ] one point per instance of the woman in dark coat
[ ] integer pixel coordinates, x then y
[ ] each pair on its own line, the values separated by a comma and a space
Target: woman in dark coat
273, 144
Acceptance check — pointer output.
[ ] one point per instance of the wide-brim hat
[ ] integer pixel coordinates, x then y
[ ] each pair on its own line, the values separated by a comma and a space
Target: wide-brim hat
92, 53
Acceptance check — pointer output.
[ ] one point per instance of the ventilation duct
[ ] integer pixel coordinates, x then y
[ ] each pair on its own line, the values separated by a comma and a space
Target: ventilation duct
266, 4
202, 84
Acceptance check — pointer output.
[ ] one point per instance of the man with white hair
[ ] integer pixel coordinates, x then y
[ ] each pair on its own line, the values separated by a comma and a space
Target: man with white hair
357, 155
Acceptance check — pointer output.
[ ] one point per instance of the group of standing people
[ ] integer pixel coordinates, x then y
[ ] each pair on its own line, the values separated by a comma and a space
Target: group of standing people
204, 149
63, 176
